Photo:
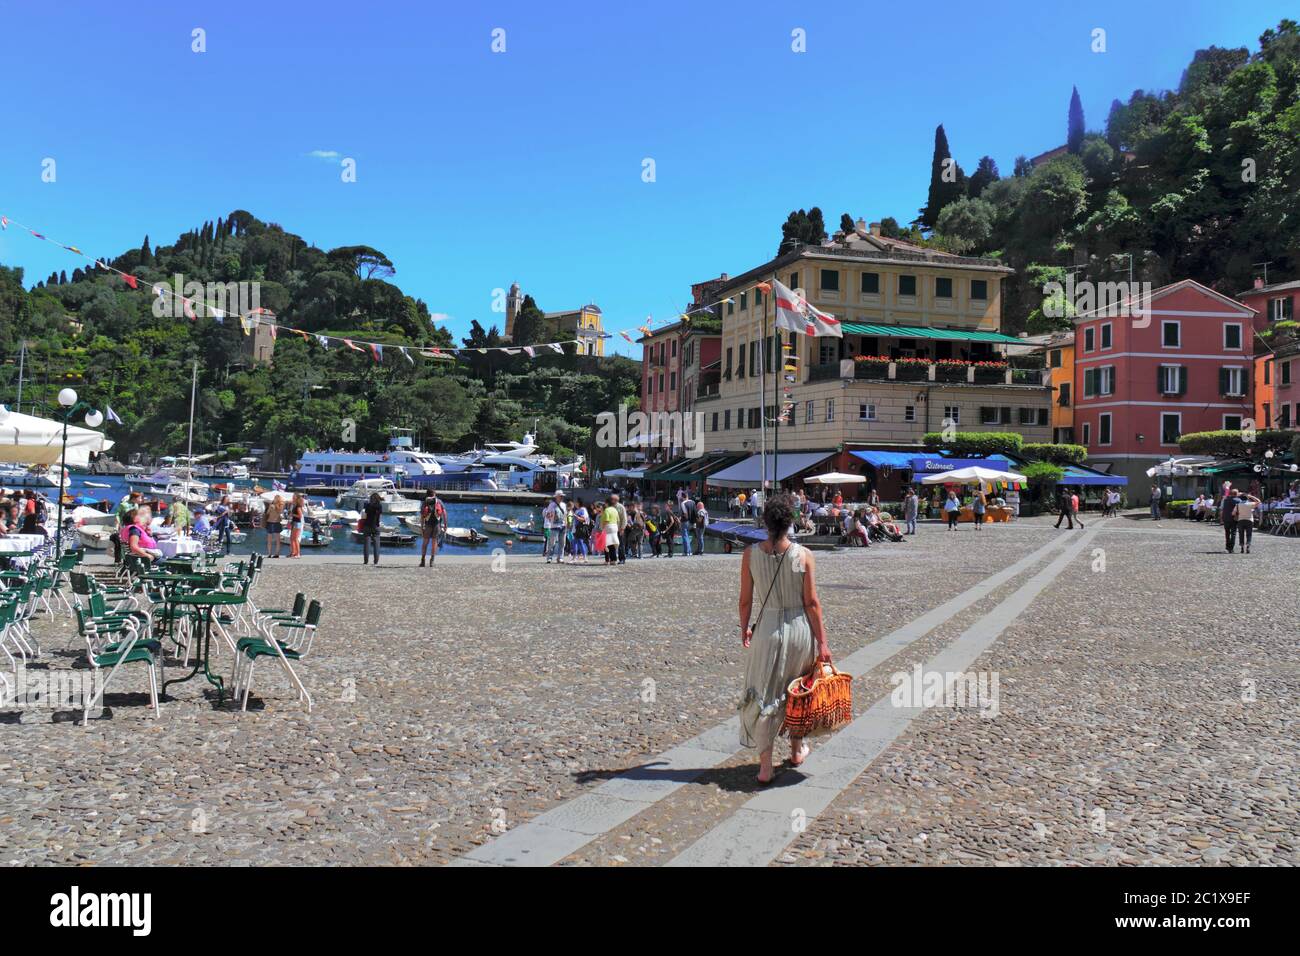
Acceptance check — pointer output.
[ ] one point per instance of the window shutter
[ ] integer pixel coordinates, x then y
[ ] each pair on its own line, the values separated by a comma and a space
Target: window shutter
1245, 381
1223, 381
1182, 380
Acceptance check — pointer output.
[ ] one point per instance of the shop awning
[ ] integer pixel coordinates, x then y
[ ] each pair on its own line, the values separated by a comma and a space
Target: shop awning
925, 332
693, 469
885, 459
1078, 475
748, 473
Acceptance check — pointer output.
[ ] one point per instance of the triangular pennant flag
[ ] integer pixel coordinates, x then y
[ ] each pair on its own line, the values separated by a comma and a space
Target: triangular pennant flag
273, 331
352, 346
377, 351
304, 335
217, 314
482, 351
556, 347
111, 415
35, 233
407, 355
4, 222
530, 351
189, 310
74, 249
626, 336
130, 280
764, 287
324, 342
511, 351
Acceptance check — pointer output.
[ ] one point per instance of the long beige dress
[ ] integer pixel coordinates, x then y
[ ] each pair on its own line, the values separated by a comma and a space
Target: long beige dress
782, 647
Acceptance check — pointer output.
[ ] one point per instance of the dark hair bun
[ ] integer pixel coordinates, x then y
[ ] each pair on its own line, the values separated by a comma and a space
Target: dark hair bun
778, 515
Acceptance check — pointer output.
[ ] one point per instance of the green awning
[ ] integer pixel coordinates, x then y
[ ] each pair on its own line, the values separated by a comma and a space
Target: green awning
924, 332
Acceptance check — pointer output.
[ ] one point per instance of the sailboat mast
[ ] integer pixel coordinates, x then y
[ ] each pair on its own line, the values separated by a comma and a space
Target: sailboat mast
194, 383
22, 357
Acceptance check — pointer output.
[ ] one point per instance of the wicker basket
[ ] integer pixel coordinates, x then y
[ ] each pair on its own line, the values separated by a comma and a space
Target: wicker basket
820, 702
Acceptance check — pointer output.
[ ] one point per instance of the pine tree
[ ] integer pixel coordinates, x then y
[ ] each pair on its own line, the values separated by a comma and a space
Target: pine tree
847, 225
947, 181
986, 173
1074, 137
146, 254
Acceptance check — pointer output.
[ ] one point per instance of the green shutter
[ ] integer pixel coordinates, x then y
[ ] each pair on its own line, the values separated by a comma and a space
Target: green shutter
1182, 380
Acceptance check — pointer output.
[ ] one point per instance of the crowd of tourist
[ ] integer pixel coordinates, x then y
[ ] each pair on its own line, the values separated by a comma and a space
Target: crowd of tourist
613, 531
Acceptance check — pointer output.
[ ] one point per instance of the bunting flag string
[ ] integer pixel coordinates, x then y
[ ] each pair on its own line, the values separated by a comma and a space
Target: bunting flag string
822, 322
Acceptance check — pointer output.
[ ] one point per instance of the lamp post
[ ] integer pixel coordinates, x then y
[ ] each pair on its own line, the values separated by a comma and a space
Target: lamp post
94, 418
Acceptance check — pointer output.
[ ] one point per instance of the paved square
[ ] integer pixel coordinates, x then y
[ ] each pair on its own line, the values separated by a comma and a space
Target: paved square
1146, 712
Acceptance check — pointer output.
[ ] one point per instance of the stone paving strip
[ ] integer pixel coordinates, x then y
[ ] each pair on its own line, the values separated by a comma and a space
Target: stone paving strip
557, 833
757, 833
1143, 719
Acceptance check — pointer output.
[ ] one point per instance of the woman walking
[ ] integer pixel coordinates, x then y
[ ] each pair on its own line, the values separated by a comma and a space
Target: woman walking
952, 508
786, 640
978, 506
297, 518
609, 521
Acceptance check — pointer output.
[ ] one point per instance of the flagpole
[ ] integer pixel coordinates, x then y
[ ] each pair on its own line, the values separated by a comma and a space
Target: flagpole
762, 412
778, 367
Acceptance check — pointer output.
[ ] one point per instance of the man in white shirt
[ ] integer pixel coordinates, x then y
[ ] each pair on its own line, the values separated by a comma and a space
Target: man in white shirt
554, 517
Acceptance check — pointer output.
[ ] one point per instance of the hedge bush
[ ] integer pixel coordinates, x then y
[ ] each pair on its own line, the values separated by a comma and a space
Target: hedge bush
975, 444
1230, 443
1056, 454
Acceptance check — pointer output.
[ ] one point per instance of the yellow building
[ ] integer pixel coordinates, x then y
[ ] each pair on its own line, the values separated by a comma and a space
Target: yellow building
1059, 347
583, 324
922, 348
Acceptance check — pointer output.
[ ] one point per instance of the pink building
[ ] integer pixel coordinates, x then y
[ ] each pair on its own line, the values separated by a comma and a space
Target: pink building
1182, 364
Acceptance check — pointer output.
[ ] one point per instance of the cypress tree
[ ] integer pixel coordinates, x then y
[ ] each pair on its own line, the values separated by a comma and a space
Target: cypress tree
1074, 137
947, 181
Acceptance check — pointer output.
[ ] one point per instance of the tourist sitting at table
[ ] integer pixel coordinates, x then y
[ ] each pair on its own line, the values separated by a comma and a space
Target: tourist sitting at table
202, 526
139, 541
856, 531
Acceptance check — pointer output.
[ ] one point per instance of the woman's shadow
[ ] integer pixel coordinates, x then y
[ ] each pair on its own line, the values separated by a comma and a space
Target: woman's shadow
736, 779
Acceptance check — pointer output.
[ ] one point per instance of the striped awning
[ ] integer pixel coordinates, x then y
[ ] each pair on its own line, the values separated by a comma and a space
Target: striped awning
926, 332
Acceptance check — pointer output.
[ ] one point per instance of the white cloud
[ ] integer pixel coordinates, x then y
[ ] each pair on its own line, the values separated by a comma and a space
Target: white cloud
439, 317
324, 154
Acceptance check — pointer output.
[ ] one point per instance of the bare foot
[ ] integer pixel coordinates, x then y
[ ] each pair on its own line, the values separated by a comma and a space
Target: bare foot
798, 755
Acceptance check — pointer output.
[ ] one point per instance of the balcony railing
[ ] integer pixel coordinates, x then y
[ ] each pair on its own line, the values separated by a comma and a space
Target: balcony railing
939, 372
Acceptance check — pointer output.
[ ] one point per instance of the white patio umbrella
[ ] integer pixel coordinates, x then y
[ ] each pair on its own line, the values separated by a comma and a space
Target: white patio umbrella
970, 476
38, 441
835, 478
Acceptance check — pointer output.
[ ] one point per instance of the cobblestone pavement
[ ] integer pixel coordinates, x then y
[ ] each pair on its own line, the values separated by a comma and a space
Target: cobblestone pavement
1147, 712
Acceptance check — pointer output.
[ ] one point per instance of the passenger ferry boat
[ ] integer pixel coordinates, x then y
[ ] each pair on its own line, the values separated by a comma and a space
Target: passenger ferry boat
31, 476
402, 464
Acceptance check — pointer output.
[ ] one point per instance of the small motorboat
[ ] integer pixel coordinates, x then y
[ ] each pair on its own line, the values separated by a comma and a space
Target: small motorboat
494, 525
525, 533
97, 484
309, 539
389, 537
466, 536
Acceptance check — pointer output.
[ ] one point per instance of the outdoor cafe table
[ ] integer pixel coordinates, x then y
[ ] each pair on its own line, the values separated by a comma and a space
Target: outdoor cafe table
21, 543
205, 603
178, 546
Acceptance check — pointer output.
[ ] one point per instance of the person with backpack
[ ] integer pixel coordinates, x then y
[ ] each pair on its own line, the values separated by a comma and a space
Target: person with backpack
433, 518
554, 518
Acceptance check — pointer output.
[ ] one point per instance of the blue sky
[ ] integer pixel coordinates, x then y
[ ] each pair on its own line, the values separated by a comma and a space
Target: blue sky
476, 169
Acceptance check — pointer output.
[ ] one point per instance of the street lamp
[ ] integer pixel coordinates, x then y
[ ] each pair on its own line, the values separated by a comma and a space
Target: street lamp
94, 418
